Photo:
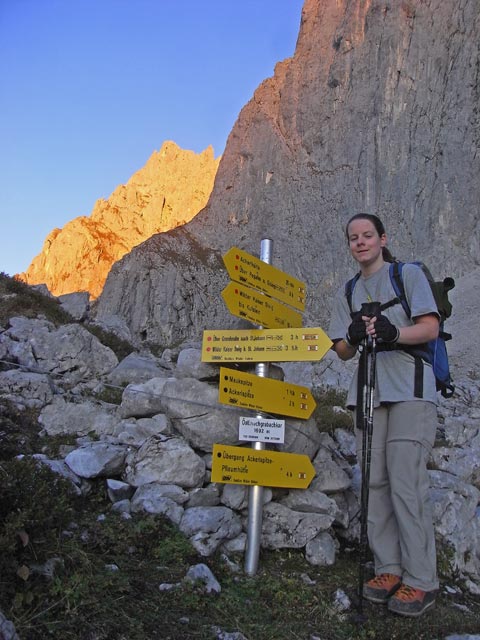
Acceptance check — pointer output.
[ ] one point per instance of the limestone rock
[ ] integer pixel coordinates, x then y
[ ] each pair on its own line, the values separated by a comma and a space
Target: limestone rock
162, 499
204, 497
97, 459
330, 477
70, 353
201, 573
118, 490
62, 417
208, 527
33, 390
165, 460
457, 519
136, 432
196, 415
309, 501
322, 550
136, 368
283, 527
166, 290
76, 304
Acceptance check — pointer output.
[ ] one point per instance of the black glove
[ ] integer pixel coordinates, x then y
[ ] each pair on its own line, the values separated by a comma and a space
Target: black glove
356, 332
385, 330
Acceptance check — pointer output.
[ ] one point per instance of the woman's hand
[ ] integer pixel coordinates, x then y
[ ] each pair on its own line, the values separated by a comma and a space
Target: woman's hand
424, 329
382, 329
357, 331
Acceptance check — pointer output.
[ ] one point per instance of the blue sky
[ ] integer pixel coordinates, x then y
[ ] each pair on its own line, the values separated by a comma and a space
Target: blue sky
90, 88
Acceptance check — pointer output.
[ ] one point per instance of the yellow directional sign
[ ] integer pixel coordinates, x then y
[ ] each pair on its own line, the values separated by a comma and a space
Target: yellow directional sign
241, 465
247, 390
259, 308
249, 270
264, 345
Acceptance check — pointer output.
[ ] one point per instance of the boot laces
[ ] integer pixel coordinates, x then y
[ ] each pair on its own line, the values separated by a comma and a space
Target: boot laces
407, 593
383, 579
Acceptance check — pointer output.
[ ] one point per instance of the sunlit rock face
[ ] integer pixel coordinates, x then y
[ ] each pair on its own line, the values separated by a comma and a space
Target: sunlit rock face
376, 111
168, 191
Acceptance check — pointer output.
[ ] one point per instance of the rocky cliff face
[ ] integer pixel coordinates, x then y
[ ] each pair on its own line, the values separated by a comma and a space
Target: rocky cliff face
376, 111
168, 191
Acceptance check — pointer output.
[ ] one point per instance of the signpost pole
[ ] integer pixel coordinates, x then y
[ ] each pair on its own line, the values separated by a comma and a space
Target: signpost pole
255, 497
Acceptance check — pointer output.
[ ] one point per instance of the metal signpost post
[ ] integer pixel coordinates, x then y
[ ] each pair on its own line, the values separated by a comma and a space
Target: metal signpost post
255, 497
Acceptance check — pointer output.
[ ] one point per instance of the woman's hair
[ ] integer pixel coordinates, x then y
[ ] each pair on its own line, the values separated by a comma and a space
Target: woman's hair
380, 229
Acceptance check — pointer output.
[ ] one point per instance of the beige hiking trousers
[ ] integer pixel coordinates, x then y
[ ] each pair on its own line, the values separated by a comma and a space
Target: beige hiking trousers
400, 527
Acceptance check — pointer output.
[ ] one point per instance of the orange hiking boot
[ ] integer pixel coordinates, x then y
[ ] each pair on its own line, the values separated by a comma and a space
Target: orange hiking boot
381, 587
411, 602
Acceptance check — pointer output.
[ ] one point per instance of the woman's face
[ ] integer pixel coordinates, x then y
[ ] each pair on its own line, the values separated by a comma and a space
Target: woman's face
365, 243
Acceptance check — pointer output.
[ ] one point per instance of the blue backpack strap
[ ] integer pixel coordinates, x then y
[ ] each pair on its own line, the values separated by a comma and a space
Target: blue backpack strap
349, 287
419, 352
396, 278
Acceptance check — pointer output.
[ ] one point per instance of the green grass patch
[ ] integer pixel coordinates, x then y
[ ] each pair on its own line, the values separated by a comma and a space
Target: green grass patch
108, 571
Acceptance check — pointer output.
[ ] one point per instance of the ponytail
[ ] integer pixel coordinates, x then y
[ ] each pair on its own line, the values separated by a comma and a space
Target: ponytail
387, 256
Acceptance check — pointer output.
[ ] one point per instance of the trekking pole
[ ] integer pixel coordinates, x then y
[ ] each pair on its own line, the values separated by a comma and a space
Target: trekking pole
369, 373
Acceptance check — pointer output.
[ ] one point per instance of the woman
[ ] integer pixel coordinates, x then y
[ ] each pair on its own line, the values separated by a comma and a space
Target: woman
400, 528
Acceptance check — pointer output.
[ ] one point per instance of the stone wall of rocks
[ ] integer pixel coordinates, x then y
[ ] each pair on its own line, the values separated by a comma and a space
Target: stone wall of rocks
153, 450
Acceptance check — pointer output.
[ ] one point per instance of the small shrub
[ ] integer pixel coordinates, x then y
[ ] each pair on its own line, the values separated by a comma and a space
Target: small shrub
32, 499
326, 417
35, 505
29, 303
19, 431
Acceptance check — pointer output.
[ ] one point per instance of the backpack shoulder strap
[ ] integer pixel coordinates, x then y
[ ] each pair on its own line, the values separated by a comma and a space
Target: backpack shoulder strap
396, 278
349, 287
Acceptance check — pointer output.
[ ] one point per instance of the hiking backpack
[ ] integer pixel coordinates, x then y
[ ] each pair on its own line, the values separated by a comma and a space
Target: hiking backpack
435, 351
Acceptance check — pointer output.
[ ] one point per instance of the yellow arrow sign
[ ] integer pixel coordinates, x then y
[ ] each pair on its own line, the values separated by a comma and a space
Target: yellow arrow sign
264, 345
241, 465
259, 308
249, 270
242, 389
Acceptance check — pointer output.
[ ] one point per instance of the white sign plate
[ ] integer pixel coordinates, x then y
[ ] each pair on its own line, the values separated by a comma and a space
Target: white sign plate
261, 430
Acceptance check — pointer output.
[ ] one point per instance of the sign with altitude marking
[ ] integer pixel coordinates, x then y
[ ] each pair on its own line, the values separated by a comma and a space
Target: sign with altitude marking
261, 429
253, 272
241, 465
264, 345
240, 389
259, 308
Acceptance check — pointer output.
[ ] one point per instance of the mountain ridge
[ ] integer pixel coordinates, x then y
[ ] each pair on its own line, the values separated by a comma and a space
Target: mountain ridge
168, 191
